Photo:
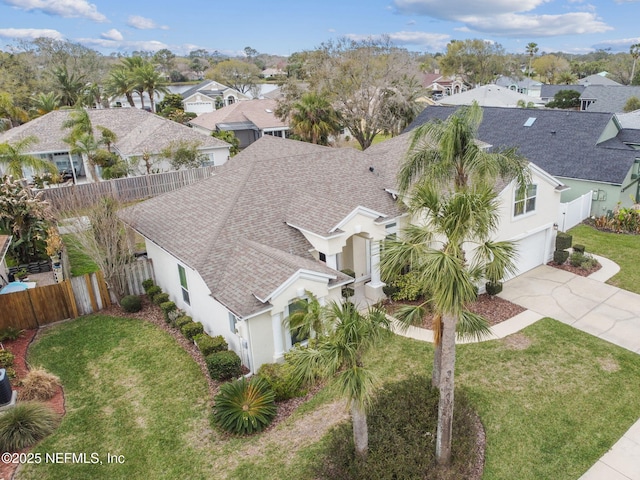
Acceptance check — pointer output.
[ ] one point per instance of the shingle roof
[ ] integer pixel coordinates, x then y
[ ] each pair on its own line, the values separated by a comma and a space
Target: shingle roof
549, 91
259, 112
561, 142
597, 79
629, 120
137, 131
489, 96
232, 228
611, 99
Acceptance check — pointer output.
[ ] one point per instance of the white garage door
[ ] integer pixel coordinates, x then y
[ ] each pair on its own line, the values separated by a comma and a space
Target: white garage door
531, 251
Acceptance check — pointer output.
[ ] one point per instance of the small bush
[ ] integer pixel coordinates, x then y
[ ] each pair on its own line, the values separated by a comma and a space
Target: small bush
160, 298
390, 290
10, 333
208, 345
167, 308
25, 424
190, 330
493, 288
38, 384
560, 256
182, 320
576, 259
245, 406
409, 287
147, 284
348, 292
6, 359
224, 365
578, 248
153, 291
131, 303
280, 378
563, 241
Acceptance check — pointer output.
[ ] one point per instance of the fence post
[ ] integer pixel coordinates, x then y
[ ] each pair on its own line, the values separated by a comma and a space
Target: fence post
73, 307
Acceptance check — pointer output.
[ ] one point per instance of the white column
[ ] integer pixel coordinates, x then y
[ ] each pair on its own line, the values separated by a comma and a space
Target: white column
375, 264
276, 327
332, 261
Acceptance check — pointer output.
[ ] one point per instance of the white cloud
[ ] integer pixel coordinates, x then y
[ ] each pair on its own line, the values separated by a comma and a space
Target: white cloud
146, 45
621, 44
627, 1
434, 41
62, 8
30, 33
142, 23
507, 17
112, 34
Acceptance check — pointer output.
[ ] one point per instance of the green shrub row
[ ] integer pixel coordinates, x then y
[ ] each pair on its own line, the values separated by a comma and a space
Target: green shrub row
224, 366
208, 345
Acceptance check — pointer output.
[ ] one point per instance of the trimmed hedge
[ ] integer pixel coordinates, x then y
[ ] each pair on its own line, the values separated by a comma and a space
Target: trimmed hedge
190, 330
131, 303
167, 308
153, 291
208, 345
560, 256
160, 298
563, 241
224, 365
147, 284
493, 288
578, 248
182, 320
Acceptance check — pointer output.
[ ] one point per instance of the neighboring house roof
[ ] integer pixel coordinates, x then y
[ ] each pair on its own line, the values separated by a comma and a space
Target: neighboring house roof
525, 82
245, 220
212, 89
137, 131
629, 120
611, 99
597, 79
549, 91
564, 143
258, 114
489, 96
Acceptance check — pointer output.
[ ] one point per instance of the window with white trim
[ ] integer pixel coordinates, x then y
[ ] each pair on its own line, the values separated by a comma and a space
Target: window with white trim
232, 322
183, 284
525, 201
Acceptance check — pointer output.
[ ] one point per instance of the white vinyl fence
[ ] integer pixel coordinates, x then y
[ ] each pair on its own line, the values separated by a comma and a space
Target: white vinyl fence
574, 212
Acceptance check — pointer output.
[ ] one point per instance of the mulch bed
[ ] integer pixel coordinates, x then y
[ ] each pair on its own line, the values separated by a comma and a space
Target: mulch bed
19, 349
583, 272
494, 309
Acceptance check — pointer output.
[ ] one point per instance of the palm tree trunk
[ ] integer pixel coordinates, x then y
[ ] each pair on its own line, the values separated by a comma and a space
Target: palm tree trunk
360, 430
437, 351
129, 96
445, 404
151, 95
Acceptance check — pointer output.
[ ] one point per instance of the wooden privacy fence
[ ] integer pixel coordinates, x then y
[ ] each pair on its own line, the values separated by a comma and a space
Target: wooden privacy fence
125, 189
137, 272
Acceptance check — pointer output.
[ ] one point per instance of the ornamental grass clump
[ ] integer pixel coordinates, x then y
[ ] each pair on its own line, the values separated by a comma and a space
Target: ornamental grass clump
25, 424
38, 384
245, 406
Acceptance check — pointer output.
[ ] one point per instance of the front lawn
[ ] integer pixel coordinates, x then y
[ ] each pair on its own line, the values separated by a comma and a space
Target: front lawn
552, 400
624, 249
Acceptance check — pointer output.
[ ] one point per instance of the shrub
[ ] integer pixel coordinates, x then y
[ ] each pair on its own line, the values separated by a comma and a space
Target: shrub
280, 378
578, 248
390, 290
576, 259
208, 345
402, 429
6, 359
38, 384
182, 320
348, 292
224, 365
563, 241
409, 288
147, 284
25, 424
153, 291
493, 288
160, 298
131, 303
190, 330
10, 333
245, 406
560, 256
167, 308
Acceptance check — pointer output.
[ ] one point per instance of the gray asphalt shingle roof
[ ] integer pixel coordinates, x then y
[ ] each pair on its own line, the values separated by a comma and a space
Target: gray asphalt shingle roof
233, 227
549, 91
609, 98
561, 142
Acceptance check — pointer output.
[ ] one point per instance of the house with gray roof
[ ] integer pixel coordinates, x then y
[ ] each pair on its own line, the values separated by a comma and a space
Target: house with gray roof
548, 92
491, 96
210, 95
525, 85
607, 98
236, 251
248, 120
138, 133
598, 79
588, 151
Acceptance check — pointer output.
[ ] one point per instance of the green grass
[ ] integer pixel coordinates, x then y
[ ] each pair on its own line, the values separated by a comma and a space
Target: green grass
552, 400
624, 249
80, 262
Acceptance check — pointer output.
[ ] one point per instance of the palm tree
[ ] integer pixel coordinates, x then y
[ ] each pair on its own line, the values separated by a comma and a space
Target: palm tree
445, 150
149, 80
121, 82
532, 49
44, 103
309, 318
434, 251
11, 115
634, 50
71, 86
313, 119
13, 156
339, 355
86, 146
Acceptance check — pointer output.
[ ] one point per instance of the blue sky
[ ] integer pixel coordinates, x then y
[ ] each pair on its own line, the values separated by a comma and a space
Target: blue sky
282, 27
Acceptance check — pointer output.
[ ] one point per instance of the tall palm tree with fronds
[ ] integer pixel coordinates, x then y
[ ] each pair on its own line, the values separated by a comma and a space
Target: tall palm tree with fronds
532, 49
634, 51
435, 253
339, 355
70, 86
15, 159
11, 115
313, 119
121, 83
43, 103
150, 81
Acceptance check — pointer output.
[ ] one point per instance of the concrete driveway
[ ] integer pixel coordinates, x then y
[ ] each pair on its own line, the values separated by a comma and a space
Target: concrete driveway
584, 303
